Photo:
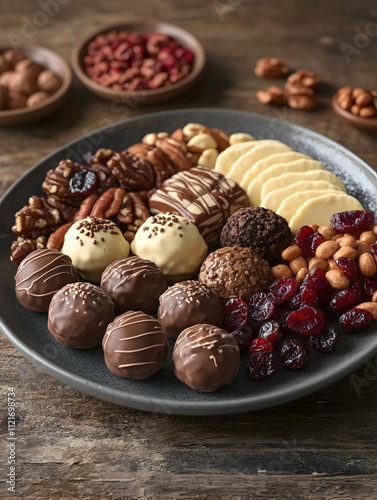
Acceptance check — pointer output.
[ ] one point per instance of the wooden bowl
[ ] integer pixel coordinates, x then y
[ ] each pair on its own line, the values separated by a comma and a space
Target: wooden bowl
365, 124
49, 60
148, 96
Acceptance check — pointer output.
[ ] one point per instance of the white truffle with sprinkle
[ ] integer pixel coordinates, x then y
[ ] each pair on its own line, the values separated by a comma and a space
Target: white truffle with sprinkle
93, 244
173, 243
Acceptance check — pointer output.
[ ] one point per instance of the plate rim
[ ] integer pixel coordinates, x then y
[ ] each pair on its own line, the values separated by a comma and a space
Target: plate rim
162, 405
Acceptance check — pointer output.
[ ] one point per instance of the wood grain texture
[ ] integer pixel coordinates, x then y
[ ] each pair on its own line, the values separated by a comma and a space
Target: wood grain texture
74, 446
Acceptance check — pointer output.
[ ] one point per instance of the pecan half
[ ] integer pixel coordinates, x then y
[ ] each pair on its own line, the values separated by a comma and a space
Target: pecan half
86, 207
161, 164
102, 155
176, 152
132, 173
302, 98
273, 95
108, 204
125, 214
140, 150
56, 239
271, 67
140, 210
303, 78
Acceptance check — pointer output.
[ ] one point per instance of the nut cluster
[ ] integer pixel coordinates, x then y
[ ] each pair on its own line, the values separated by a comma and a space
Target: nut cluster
358, 101
298, 91
124, 183
133, 61
202, 144
23, 82
353, 246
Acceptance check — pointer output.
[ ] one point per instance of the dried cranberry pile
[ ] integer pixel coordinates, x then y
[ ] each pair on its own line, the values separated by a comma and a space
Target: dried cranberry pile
289, 319
133, 61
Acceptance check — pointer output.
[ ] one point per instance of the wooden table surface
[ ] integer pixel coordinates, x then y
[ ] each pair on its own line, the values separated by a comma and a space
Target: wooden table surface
71, 445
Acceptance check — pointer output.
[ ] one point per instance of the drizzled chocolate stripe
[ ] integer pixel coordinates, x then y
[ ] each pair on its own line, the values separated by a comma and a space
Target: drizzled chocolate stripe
134, 345
204, 196
205, 357
40, 275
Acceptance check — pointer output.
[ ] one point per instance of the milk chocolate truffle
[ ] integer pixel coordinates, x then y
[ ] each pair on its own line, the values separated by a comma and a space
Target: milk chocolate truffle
134, 284
40, 275
235, 272
188, 303
173, 243
79, 314
134, 345
261, 229
92, 244
206, 357
204, 196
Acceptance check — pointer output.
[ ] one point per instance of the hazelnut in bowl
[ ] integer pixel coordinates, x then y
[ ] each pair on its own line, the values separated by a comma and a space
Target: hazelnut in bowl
142, 61
357, 107
34, 82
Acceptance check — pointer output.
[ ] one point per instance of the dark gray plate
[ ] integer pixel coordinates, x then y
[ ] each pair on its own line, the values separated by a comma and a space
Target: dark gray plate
85, 369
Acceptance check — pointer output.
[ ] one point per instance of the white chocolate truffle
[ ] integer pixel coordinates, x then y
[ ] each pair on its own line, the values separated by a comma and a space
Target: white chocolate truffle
93, 244
173, 243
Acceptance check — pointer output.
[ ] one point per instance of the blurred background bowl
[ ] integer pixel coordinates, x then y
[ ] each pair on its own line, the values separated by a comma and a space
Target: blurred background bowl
145, 26
365, 124
49, 60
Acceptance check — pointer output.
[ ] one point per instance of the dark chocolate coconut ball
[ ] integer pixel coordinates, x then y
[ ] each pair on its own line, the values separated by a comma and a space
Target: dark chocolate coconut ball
205, 357
134, 345
235, 272
188, 303
40, 275
134, 284
79, 314
258, 228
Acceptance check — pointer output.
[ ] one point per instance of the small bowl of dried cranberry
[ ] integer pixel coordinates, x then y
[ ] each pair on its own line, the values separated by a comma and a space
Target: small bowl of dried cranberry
140, 61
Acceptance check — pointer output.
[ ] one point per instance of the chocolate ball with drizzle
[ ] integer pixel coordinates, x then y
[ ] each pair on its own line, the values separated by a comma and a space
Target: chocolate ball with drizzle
134, 284
40, 275
135, 345
206, 357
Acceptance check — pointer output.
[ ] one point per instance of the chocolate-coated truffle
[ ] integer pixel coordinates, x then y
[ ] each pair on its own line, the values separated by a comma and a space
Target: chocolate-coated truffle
134, 284
40, 275
134, 345
188, 303
261, 229
206, 357
235, 272
79, 314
